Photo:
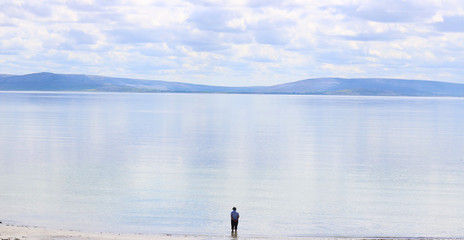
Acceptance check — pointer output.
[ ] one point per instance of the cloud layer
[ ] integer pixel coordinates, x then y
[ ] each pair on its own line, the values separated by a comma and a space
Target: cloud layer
254, 42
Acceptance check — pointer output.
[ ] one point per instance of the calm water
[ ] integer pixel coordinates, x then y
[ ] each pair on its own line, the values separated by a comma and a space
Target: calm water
178, 163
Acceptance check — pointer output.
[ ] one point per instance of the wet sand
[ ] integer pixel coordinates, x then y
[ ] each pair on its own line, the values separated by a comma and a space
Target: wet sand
11, 232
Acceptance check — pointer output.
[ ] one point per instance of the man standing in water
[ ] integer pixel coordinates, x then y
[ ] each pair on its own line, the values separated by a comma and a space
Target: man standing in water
234, 219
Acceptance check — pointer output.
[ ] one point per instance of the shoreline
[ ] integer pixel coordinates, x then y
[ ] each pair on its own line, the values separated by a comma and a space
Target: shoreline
22, 232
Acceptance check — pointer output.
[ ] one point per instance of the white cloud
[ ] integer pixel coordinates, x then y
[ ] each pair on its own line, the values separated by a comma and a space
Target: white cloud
243, 42
392, 10
217, 19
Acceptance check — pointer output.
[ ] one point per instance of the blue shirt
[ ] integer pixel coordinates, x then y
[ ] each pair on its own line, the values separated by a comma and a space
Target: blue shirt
234, 215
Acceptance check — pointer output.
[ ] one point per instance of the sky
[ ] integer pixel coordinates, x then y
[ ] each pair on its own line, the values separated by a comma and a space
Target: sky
237, 42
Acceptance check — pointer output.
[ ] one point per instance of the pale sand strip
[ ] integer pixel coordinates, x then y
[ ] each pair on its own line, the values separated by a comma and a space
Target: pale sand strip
9, 232
36, 233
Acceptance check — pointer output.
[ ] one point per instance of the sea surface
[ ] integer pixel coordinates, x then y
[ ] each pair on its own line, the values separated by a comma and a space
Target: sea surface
177, 163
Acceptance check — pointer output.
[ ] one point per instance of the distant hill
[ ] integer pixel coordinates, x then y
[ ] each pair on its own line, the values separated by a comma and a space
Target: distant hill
317, 86
78, 82
369, 87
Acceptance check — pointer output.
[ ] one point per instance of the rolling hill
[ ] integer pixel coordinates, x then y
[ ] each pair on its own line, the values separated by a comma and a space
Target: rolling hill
316, 86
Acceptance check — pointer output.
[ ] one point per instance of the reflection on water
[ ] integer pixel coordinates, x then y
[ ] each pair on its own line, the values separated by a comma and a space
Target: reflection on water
176, 163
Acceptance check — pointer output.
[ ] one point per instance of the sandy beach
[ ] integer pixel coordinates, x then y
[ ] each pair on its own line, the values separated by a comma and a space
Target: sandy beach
11, 232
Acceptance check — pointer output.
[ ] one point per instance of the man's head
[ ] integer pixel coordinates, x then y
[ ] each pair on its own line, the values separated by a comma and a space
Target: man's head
234, 208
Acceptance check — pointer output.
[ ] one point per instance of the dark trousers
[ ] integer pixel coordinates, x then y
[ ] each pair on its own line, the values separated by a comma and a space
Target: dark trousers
234, 224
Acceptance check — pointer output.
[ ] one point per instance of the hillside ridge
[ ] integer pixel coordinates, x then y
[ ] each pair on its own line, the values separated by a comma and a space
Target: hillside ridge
46, 81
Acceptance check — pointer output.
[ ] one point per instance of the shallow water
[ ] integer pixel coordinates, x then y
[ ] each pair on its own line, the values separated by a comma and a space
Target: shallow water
178, 163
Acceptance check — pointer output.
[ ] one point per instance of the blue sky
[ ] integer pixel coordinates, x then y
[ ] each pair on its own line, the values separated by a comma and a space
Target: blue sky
235, 43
